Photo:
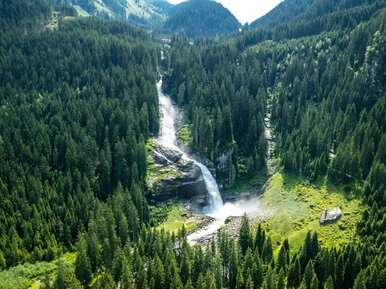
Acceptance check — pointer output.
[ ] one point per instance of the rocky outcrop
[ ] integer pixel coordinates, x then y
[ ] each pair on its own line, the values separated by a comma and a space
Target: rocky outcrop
225, 169
172, 175
330, 215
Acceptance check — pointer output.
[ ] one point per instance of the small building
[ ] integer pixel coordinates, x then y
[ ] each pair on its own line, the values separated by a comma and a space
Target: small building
330, 215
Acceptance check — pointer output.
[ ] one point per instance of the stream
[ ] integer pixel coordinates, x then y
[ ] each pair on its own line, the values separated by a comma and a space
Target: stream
217, 209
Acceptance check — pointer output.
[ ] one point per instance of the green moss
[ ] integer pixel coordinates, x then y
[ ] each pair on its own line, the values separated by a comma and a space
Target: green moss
298, 205
156, 174
184, 134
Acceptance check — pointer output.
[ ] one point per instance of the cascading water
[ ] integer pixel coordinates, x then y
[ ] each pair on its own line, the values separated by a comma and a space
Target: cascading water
169, 114
217, 209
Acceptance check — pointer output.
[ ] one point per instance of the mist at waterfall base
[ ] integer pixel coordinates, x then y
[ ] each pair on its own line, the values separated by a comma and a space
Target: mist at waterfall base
216, 209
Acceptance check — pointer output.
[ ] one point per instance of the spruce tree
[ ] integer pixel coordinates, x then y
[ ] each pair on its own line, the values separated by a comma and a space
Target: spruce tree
244, 234
82, 262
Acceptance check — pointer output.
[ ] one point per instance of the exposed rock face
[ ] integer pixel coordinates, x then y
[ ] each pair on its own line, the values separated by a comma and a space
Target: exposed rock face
330, 215
226, 172
171, 175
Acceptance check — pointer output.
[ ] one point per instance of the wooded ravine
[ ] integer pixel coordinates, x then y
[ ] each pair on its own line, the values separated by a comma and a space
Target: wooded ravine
219, 177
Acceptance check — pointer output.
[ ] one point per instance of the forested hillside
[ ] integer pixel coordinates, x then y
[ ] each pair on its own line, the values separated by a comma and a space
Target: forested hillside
290, 11
325, 80
285, 11
196, 18
78, 105
148, 13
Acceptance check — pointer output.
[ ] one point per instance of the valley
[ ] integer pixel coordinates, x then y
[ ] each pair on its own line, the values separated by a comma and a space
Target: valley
149, 145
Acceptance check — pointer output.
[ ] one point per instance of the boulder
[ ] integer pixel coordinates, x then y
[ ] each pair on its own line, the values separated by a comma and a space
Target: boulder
330, 215
173, 175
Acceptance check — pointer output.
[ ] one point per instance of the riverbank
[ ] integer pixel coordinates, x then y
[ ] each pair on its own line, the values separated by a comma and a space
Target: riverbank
289, 208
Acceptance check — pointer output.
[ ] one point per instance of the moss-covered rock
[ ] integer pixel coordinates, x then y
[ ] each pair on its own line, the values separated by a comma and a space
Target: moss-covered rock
171, 175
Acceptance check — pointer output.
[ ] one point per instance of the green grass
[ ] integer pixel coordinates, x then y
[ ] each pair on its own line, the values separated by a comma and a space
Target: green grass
28, 275
176, 218
298, 206
184, 134
248, 183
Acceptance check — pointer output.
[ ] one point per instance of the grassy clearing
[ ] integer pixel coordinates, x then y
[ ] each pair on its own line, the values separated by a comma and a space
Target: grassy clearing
29, 275
177, 217
298, 206
249, 183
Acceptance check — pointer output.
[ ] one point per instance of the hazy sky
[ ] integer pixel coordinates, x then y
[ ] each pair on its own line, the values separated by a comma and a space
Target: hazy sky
245, 10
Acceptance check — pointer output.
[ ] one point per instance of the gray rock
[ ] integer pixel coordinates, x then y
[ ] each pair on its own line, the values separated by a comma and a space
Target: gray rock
172, 175
330, 215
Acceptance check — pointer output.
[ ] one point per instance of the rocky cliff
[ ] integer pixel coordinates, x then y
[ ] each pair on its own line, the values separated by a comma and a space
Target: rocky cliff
172, 175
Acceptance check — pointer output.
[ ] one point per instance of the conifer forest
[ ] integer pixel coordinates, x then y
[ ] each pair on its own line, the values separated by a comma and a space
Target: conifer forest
286, 114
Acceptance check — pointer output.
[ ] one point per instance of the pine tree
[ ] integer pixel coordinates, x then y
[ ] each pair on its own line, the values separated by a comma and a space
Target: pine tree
189, 284
61, 278
244, 234
309, 274
294, 273
126, 278
106, 281
267, 253
314, 282
210, 280
248, 283
306, 252
359, 281
82, 262
281, 280
257, 273
158, 274
282, 260
269, 280
65, 278
329, 284
185, 267
233, 267
239, 280
259, 239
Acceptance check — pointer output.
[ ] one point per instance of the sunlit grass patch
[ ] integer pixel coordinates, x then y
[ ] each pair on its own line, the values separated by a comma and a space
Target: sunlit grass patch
176, 218
299, 206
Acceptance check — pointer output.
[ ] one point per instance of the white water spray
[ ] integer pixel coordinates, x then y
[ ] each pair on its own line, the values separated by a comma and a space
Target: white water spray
217, 208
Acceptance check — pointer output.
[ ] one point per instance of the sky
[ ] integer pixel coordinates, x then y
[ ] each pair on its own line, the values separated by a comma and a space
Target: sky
245, 10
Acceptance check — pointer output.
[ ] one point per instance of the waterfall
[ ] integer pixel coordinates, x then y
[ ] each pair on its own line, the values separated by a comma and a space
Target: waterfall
167, 137
217, 209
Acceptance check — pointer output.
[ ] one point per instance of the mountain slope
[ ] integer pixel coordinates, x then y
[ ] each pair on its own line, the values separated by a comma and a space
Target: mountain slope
201, 18
75, 114
142, 12
298, 11
283, 12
